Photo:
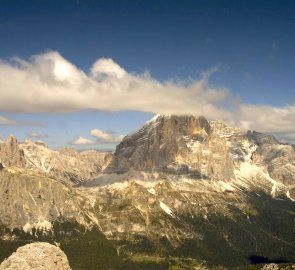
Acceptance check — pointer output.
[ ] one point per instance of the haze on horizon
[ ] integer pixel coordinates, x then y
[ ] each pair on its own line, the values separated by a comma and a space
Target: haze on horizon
84, 74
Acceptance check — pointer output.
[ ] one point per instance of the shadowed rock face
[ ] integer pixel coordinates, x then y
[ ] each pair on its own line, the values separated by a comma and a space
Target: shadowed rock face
35, 256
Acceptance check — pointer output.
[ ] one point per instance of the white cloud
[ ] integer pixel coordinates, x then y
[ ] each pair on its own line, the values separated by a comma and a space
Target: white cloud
107, 67
82, 141
99, 137
49, 83
266, 118
106, 137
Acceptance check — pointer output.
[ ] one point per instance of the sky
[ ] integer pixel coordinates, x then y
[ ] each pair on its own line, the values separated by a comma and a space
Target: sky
85, 73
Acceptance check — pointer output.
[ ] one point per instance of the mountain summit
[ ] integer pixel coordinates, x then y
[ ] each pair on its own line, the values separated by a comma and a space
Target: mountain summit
192, 146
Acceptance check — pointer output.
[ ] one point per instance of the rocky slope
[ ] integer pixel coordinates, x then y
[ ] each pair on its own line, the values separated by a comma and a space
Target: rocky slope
35, 256
29, 201
34, 207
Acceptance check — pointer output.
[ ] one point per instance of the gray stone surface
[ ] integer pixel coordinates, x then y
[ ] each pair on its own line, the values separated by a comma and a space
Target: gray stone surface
35, 201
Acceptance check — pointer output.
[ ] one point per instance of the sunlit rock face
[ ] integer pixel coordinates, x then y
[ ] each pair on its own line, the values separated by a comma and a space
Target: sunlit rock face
161, 142
192, 146
10, 153
183, 145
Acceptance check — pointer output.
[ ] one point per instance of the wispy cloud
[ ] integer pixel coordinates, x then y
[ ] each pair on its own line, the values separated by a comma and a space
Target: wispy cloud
49, 83
9, 122
36, 135
265, 118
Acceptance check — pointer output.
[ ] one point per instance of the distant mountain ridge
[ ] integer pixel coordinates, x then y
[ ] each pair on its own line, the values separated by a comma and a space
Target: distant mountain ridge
67, 164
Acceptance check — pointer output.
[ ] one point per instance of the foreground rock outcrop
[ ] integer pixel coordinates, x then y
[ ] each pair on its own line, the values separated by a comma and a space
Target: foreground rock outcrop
37, 256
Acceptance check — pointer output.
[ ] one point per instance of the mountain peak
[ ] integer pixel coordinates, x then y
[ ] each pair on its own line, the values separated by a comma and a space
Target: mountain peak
10, 153
158, 142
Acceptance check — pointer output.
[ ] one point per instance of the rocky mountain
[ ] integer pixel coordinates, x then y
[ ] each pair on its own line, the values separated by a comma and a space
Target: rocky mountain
65, 165
189, 145
38, 255
180, 188
185, 185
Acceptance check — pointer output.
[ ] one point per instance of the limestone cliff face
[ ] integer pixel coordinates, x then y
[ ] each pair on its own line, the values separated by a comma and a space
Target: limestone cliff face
158, 143
34, 201
11, 154
182, 145
191, 146
35, 256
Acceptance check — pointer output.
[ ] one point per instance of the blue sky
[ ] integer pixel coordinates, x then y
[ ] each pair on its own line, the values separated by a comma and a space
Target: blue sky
250, 44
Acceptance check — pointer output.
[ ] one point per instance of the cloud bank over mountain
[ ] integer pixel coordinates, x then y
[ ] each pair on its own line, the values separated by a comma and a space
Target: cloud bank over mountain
48, 83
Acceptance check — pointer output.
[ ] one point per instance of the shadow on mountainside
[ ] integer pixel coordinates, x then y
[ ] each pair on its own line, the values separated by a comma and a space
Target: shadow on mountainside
254, 259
